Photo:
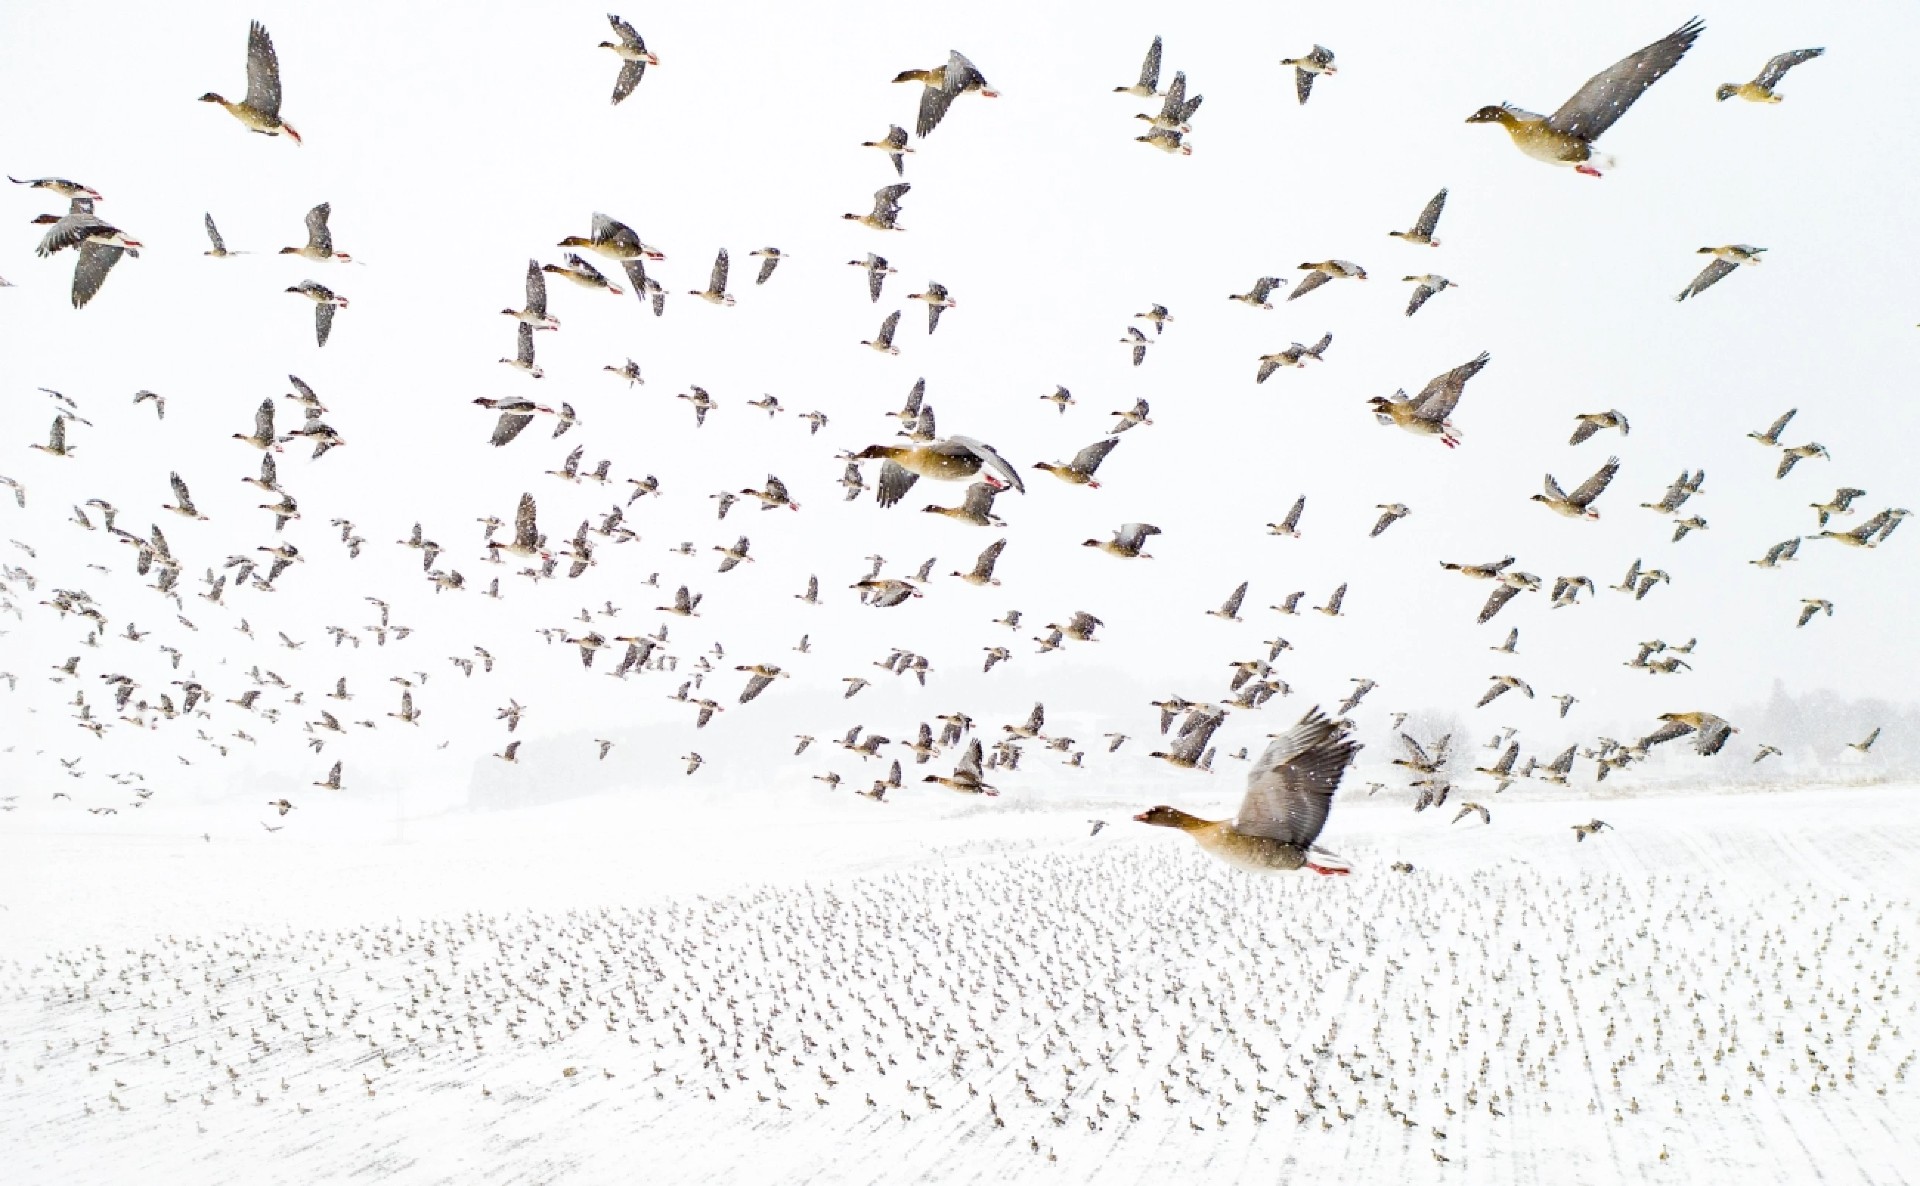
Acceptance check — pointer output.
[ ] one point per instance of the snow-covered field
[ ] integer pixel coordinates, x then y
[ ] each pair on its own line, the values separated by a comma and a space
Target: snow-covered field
1721, 989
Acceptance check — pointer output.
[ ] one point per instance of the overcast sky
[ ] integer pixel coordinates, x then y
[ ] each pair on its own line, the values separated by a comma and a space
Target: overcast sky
452, 151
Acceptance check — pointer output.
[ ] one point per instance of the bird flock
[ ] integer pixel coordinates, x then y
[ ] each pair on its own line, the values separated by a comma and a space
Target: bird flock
162, 686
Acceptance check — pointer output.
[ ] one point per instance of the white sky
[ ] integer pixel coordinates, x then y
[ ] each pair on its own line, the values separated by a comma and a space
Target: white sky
454, 151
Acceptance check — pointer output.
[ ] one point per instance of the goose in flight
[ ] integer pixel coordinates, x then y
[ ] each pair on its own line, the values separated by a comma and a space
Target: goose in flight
716, 290
1307, 67
976, 506
535, 314
886, 208
582, 273
1709, 732
1726, 261
1426, 224
1324, 271
325, 301
1149, 85
631, 49
1771, 436
1579, 504
1429, 413
894, 144
260, 110
968, 778
761, 676
1390, 513
1566, 137
1794, 455
1080, 471
1290, 526
982, 572
1127, 542
954, 459
943, 85
1812, 606
1295, 355
1289, 796
319, 245
1258, 294
1760, 90
1430, 286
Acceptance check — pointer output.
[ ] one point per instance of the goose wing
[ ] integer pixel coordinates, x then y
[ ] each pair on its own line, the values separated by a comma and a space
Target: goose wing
1606, 96
1290, 788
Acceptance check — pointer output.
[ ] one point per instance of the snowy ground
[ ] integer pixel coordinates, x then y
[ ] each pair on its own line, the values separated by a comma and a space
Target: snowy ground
586, 993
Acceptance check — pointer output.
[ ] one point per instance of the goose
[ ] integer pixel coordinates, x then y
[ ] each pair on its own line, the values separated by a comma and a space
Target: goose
612, 239
1566, 137
1726, 261
1429, 414
58, 186
1080, 471
1864, 746
1467, 809
1424, 226
1502, 684
1429, 286
882, 342
1840, 504
1307, 67
761, 676
1289, 796
1258, 294
1158, 317
1149, 85
582, 273
1290, 526
1771, 436
731, 558
1590, 828
515, 415
1137, 414
319, 245
325, 301
1230, 608
1682, 488
1794, 455
894, 144
535, 314
976, 507
954, 459
631, 49
56, 446
1138, 342
775, 495
1079, 627
523, 355
1127, 542
219, 248
182, 503
1390, 513
1760, 90
1324, 271
1682, 526
967, 778
281, 804
716, 290
943, 84
1588, 423
982, 571
262, 438
937, 301
260, 110
1812, 606
886, 208
332, 782
1579, 504
1709, 732
1295, 355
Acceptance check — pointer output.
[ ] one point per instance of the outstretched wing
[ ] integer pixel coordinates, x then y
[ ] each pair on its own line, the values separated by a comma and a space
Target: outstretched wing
1595, 485
992, 458
1709, 276
263, 72
1778, 65
1442, 393
1430, 217
1290, 788
1606, 96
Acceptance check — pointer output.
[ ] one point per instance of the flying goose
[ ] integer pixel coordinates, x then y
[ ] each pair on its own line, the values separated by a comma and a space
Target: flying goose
976, 506
612, 239
956, 458
631, 49
1726, 261
1710, 732
1812, 606
1230, 608
982, 572
523, 355
1683, 487
1840, 504
882, 342
967, 778
1760, 90
1429, 286
325, 301
1424, 226
1295, 355
1566, 137
182, 503
1590, 828
937, 301
1390, 513
1127, 542
1175, 110
1290, 526
894, 144
260, 110
1080, 471
1289, 796
1578, 505
1502, 684
1138, 342
1792, 456
1864, 746
1771, 436
886, 208
1588, 423
1149, 85
716, 290
1429, 413
762, 675
1306, 67
319, 245
943, 85
582, 273
1257, 296
1320, 273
